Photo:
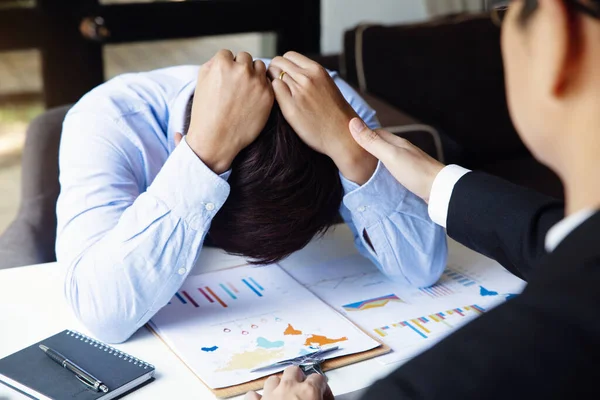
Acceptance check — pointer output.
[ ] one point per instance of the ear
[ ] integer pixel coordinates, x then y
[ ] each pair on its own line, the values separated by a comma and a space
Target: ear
555, 46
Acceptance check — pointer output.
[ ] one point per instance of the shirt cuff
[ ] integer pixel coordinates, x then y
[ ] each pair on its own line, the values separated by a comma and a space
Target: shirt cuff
376, 199
225, 175
441, 192
348, 185
189, 188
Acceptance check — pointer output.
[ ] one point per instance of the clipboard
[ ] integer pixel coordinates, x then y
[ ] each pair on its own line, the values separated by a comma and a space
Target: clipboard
258, 384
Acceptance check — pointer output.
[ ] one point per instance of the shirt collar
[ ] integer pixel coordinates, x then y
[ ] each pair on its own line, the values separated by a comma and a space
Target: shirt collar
561, 230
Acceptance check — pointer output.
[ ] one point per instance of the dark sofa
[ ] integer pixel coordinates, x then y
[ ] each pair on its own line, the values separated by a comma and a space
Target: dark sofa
446, 73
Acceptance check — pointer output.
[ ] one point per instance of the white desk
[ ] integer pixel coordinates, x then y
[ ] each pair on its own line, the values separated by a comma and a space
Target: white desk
32, 307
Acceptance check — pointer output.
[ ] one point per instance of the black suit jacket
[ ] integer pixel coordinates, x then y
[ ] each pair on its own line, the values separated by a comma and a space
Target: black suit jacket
543, 344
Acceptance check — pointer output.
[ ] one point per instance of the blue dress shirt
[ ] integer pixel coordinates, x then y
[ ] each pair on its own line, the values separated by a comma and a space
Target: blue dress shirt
134, 209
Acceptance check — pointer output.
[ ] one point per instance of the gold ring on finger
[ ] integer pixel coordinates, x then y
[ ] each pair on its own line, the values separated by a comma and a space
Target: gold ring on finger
281, 75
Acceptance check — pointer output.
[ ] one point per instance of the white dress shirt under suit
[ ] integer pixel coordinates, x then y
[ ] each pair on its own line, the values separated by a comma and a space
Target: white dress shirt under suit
134, 210
441, 192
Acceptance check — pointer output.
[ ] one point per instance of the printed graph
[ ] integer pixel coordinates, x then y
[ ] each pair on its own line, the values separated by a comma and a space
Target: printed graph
221, 294
462, 279
437, 290
362, 279
377, 302
431, 325
450, 283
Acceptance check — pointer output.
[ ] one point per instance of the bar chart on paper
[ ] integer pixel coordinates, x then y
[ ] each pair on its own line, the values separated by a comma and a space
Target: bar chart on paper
221, 294
432, 325
450, 283
224, 324
414, 335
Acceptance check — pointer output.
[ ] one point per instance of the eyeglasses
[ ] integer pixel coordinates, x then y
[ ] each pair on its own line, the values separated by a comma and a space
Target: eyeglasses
500, 8
498, 11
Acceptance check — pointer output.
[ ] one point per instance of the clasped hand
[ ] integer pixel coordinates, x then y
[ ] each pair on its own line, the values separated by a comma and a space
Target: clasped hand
315, 108
232, 103
234, 97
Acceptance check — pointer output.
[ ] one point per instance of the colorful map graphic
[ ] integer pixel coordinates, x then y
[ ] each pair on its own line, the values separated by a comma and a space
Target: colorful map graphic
251, 359
266, 344
291, 331
209, 349
318, 340
372, 303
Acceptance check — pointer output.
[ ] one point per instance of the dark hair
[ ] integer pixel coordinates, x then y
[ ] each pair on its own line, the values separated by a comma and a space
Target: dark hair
282, 194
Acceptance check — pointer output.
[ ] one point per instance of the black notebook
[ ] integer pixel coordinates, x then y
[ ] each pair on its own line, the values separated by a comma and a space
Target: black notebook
31, 372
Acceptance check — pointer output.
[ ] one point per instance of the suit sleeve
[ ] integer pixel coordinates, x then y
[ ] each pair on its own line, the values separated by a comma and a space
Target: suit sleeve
503, 221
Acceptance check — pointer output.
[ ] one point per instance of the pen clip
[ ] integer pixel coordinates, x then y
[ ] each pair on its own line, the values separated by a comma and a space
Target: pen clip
86, 383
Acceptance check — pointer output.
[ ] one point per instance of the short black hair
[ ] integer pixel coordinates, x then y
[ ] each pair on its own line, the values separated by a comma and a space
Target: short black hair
282, 194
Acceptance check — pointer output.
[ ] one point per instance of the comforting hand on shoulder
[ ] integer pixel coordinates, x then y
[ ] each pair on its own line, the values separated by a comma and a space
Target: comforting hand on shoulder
411, 166
315, 108
232, 103
293, 385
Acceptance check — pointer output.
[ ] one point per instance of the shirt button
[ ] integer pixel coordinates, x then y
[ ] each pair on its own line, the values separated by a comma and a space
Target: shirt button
362, 209
181, 271
209, 207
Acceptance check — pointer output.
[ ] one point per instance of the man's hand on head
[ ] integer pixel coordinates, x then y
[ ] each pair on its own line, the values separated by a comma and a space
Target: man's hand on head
232, 103
294, 385
316, 109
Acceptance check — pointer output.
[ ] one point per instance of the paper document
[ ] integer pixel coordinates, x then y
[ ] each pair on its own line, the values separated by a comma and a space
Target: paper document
408, 319
224, 324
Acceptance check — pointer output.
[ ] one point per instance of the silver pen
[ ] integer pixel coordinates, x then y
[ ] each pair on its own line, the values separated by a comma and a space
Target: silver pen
306, 360
85, 377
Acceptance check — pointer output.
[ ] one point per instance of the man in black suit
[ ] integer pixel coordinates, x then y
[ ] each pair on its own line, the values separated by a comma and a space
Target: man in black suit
544, 343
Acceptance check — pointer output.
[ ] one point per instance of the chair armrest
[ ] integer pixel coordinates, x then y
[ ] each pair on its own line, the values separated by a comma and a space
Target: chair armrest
426, 137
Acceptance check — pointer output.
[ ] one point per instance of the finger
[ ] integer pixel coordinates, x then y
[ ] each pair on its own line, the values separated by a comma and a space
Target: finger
225, 54
271, 384
177, 138
293, 374
370, 140
283, 64
317, 381
283, 93
244, 58
300, 60
275, 73
260, 67
252, 396
328, 395
393, 139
